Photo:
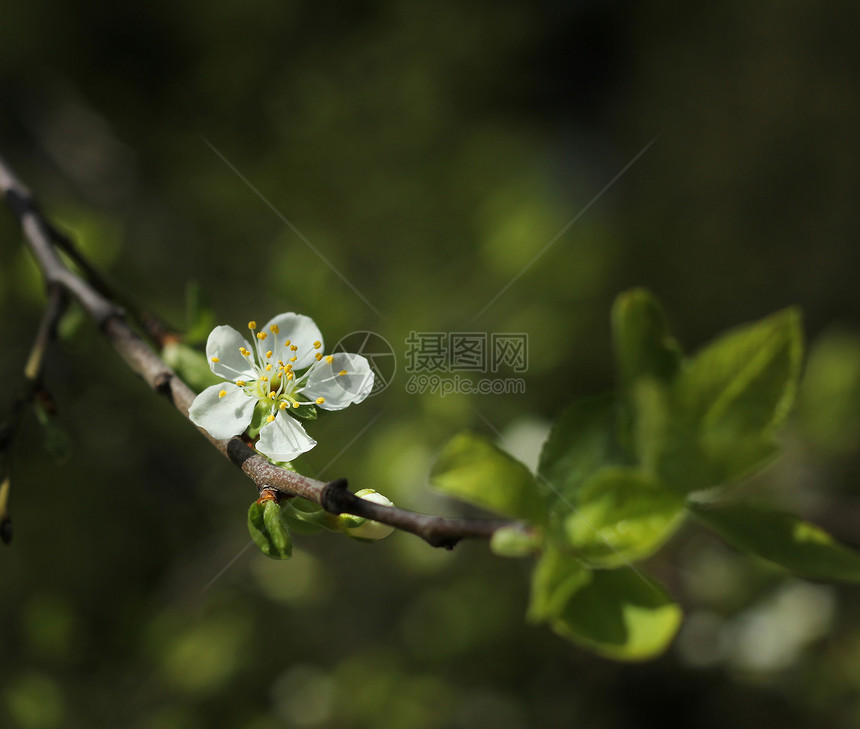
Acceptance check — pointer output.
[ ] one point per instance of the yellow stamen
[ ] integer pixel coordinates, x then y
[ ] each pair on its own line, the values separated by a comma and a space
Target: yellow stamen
342, 372
290, 375
264, 379
244, 352
222, 393
294, 348
268, 354
240, 383
295, 404
318, 355
317, 345
261, 335
293, 359
287, 343
216, 359
252, 325
269, 367
272, 395
329, 359
275, 329
320, 400
282, 405
270, 418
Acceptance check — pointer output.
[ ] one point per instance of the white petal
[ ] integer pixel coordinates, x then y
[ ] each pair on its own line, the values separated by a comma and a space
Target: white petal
301, 332
224, 416
224, 343
340, 390
284, 439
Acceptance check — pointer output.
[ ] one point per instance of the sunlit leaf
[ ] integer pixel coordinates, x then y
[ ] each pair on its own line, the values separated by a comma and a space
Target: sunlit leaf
621, 613
582, 441
473, 469
781, 538
622, 515
743, 383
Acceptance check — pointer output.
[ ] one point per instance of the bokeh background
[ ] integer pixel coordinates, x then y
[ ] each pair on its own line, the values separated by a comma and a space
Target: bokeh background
429, 151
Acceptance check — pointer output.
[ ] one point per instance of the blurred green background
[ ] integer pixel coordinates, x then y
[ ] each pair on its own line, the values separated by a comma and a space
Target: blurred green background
430, 152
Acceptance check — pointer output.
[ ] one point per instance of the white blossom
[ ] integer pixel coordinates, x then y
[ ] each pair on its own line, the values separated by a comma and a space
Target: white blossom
282, 370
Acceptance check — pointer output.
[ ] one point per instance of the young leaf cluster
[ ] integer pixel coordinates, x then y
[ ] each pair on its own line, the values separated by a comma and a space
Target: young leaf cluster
620, 472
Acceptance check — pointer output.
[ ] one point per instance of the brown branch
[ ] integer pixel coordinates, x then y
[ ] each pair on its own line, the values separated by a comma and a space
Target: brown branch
334, 496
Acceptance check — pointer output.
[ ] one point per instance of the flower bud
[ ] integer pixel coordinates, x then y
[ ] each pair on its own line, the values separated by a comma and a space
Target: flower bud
367, 529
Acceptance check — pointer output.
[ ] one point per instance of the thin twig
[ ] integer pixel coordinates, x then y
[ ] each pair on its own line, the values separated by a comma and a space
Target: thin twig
334, 496
31, 389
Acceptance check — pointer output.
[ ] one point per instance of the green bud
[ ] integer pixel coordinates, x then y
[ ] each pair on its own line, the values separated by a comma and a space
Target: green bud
511, 541
268, 530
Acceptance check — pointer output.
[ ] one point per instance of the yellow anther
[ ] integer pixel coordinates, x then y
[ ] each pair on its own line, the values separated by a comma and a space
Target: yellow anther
289, 367
294, 348
282, 405
272, 395
329, 359
287, 343
261, 335
320, 400
268, 354
222, 393
264, 379
295, 404
275, 328
317, 344
318, 355
270, 418
240, 383
293, 359
244, 352
269, 367
216, 359
290, 375
342, 372
252, 325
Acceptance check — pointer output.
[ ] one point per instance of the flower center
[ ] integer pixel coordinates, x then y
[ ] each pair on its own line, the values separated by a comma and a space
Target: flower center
275, 382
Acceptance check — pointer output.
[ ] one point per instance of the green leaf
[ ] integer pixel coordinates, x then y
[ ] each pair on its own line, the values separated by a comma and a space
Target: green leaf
744, 383
557, 576
716, 422
473, 469
781, 538
622, 515
583, 440
199, 316
643, 345
670, 447
619, 614
268, 531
